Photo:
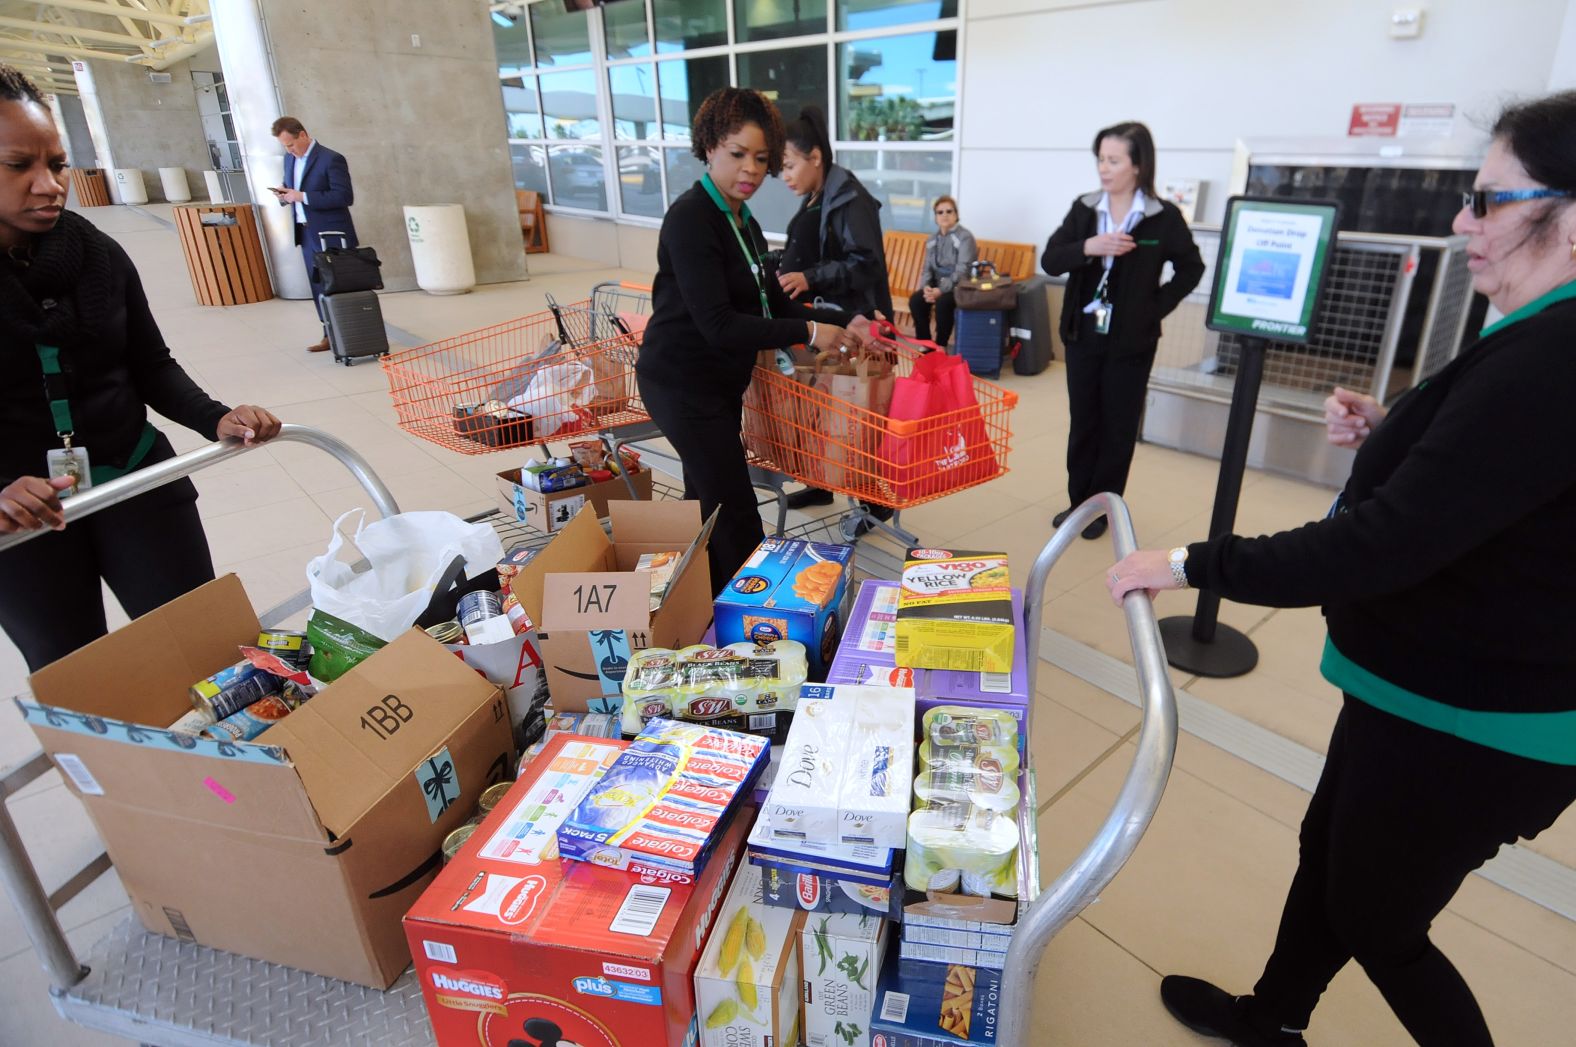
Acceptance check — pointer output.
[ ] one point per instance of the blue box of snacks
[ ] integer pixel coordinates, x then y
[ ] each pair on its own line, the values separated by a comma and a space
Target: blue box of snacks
788, 590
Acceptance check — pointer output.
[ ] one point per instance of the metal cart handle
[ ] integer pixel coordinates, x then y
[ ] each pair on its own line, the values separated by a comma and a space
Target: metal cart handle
1083, 880
141, 481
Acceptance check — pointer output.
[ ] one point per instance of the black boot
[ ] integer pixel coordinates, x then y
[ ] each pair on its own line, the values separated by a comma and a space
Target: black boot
1061, 517
1212, 1011
808, 497
1095, 529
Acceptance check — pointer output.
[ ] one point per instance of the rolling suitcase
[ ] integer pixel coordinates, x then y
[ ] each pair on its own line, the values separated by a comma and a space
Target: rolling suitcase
355, 326
979, 337
1030, 326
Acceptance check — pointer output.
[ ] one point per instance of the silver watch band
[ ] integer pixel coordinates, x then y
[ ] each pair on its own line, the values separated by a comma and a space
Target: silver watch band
1179, 573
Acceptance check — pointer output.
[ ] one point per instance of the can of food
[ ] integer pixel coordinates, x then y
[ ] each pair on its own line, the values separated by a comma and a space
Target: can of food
455, 840
228, 691
519, 621
250, 722
447, 632
492, 796
479, 606
193, 723
290, 646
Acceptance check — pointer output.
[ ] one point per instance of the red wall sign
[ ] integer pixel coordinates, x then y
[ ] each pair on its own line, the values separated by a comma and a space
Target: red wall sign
1375, 120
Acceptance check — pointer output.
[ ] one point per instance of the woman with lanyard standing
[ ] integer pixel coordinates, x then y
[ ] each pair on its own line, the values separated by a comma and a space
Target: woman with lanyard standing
84, 361
1113, 245
713, 307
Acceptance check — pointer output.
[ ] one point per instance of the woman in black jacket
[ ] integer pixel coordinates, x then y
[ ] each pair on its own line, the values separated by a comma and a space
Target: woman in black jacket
1445, 573
83, 362
713, 308
1113, 245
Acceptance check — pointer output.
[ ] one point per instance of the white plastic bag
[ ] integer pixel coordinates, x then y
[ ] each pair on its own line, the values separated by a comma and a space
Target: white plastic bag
557, 396
407, 555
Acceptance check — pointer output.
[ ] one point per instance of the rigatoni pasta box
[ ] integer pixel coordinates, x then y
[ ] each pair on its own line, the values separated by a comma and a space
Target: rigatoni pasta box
955, 612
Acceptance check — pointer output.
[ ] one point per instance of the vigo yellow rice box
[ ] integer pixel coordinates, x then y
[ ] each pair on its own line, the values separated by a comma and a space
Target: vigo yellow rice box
955, 612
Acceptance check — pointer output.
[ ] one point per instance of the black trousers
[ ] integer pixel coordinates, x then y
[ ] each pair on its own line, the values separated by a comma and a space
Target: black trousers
1402, 814
150, 550
704, 426
1105, 401
946, 310
307, 251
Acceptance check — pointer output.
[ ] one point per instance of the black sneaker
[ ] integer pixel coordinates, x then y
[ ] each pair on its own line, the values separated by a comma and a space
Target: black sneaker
1211, 1011
1095, 529
808, 497
1061, 517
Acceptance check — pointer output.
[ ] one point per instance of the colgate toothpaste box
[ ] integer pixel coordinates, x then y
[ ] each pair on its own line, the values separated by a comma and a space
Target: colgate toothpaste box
513, 945
868, 656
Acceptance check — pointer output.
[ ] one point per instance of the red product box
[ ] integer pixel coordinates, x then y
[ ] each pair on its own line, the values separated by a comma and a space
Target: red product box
514, 945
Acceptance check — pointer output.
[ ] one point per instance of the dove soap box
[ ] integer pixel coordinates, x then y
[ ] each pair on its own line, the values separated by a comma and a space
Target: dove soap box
802, 802
747, 982
789, 589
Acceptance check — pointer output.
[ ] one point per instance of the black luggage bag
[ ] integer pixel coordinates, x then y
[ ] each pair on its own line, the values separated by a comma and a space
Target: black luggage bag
1029, 325
344, 268
355, 326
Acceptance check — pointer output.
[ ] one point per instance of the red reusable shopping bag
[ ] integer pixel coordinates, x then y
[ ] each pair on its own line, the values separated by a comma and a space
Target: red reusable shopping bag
949, 447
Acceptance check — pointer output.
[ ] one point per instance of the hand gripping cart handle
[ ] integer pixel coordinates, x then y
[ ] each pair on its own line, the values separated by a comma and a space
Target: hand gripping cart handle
1082, 881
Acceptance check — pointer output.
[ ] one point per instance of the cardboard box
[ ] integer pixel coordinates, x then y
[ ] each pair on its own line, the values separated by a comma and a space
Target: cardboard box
955, 612
552, 511
789, 590
791, 887
936, 1005
510, 941
841, 957
303, 847
747, 984
868, 656
592, 608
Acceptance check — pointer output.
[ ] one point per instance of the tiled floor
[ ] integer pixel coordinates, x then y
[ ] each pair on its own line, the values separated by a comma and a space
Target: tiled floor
1201, 894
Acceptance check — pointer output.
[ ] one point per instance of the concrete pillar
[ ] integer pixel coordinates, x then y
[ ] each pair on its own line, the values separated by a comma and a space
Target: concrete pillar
74, 130
93, 114
1562, 76
146, 125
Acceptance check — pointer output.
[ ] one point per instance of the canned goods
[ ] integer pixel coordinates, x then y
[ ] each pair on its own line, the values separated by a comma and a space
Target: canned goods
455, 840
251, 721
289, 646
492, 796
193, 723
228, 691
479, 606
447, 632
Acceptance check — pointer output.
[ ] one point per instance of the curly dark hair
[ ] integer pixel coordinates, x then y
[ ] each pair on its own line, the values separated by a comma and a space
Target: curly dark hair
726, 110
16, 87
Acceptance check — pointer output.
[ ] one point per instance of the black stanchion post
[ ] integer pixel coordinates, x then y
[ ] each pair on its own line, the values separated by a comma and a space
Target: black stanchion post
1198, 643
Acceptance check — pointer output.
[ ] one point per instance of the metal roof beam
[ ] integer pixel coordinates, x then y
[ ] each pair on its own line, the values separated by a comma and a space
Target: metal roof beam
60, 29
102, 7
45, 47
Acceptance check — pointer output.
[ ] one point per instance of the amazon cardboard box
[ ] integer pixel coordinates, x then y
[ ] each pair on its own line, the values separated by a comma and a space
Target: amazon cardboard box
551, 511
593, 608
304, 847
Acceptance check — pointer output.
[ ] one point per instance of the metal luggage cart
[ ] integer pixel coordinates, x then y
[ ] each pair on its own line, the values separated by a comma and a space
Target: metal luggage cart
158, 990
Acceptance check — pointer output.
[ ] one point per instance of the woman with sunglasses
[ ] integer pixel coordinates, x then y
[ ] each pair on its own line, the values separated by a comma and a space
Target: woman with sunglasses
1444, 571
948, 254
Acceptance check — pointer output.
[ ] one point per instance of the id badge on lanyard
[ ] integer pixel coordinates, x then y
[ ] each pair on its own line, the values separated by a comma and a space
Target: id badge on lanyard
1101, 309
72, 462
65, 460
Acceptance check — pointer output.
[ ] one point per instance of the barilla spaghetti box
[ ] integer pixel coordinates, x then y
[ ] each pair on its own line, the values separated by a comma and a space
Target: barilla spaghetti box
955, 612
514, 946
747, 983
841, 956
788, 590
936, 1005
868, 656
666, 798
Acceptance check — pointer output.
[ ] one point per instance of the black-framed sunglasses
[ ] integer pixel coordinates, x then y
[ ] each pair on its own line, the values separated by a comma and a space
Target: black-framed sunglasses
1479, 201
945, 210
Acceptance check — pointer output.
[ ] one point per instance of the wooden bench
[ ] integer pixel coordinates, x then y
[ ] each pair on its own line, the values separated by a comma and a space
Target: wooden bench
533, 221
905, 259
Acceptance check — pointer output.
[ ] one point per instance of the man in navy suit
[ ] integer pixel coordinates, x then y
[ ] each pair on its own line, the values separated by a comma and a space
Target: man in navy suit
317, 186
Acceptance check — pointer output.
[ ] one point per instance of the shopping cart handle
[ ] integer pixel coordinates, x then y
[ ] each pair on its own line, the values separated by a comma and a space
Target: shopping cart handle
102, 496
1088, 875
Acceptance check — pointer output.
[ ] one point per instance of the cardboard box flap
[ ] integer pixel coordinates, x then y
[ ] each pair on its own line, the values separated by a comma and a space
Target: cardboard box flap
374, 726
141, 672
581, 547
607, 600
647, 523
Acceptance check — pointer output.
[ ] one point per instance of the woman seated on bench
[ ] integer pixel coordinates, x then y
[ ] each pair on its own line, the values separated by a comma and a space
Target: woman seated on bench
948, 254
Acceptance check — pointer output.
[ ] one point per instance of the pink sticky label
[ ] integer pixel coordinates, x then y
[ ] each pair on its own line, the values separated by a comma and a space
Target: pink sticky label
218, 790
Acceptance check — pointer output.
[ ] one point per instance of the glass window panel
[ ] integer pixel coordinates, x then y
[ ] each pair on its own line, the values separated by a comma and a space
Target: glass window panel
898, 88
511, 39
640, 180
577, 176
569, 104
562, 37
906, 183
520, 107
685, 24
683, 171
530, 167
624, 25
879, 14
634, 101
777, 19
773, 205
685, 84
793, 77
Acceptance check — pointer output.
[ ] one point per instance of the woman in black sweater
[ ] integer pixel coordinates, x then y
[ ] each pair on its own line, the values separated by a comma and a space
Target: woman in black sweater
713, 308
1113, 245
1445, 573
83, 362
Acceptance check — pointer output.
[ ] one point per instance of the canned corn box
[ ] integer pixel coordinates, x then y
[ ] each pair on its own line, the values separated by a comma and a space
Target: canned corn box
746, 986
955, 612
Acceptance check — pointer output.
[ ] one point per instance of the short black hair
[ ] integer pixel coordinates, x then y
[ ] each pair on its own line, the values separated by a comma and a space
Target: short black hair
286, 124
1541, 133
808, 132
1140, 147
16, 87
726, 110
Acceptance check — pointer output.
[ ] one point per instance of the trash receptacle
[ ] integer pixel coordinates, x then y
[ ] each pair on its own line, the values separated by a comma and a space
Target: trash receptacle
224, 254
129, 186
440, 247
176, 189
89, 185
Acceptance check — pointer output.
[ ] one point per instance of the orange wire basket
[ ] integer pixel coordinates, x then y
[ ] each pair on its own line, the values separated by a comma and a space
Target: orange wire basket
564, 372
819, 439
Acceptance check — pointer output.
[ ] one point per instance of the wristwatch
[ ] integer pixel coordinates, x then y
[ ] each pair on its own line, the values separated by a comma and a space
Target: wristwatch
1177, 558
